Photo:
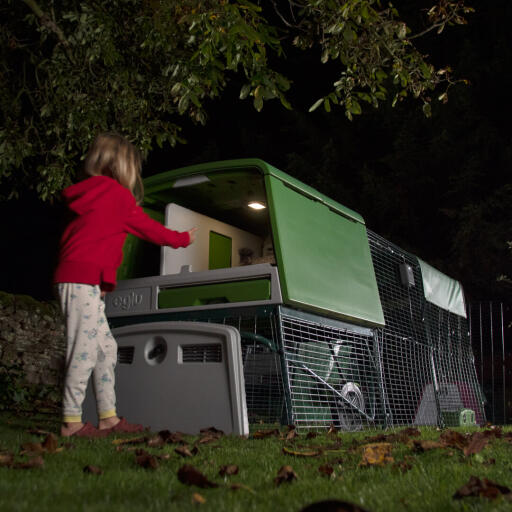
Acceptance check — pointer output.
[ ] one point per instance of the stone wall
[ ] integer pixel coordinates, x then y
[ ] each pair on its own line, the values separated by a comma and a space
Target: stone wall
32, 344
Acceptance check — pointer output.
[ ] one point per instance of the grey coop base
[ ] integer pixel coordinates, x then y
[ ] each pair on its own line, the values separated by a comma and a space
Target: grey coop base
180, 376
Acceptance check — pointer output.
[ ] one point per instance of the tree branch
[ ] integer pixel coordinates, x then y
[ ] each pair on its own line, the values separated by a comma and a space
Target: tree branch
47, 22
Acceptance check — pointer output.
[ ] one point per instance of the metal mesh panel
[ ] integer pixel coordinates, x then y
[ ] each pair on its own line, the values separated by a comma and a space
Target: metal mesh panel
454, 362
264, 388
427, 363
332, 375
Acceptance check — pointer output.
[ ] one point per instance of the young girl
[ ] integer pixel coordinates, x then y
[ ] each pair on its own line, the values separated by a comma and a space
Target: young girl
105, 210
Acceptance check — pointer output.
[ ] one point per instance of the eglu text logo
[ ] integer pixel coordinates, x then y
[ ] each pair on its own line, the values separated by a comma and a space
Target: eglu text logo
126, 302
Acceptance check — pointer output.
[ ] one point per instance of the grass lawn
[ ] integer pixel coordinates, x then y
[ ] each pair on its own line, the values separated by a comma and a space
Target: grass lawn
401, 472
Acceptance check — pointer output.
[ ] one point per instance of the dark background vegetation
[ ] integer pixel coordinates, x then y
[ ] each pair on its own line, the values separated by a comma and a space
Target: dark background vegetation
438, 187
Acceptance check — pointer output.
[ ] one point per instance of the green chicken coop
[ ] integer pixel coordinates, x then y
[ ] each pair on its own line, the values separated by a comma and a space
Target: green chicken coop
285, 310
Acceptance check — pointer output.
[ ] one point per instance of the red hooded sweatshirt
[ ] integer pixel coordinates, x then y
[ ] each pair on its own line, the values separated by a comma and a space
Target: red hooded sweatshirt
92, 243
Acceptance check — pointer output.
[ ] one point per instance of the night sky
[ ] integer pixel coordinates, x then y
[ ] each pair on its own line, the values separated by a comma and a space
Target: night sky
439, 188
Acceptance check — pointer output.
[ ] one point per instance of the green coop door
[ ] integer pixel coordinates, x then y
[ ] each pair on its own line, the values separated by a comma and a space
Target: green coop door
220, 251
323, 257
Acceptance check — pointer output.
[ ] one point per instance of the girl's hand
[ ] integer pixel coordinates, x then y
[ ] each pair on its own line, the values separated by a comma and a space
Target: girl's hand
192, 234
103, 293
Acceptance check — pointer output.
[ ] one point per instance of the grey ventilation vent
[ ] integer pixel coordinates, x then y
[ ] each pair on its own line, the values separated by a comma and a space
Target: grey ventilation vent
125, 355
211, 353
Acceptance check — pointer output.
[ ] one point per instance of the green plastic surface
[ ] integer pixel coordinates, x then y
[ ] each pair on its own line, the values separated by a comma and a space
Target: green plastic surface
323, 257
135, 251
219, 251
218, 293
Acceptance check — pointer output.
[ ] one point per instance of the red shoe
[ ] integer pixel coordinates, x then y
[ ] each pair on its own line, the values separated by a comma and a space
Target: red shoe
89, 430
124, 427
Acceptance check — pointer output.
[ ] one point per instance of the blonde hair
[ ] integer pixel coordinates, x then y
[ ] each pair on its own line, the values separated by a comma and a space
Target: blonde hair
112, 155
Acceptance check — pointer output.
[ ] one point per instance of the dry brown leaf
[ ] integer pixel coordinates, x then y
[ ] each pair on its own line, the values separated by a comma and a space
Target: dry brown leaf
146, 460
189, 475
311, 435
185, 451
6, 459
295, 453
292, 434
237, 486
454, 439
34, 462
228, 470
93, 470
51, 443
376, 454
332, 430
333, 506
31, 448
131, 440
326, 469
198, 499
476, 444
171, 437
285, 474
404, 465
262, 434
483, 488
421, 445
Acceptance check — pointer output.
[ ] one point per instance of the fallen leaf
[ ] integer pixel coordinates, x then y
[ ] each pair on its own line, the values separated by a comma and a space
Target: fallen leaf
198, 499
333, 506
421, 445
31, 448
326, 469
454, 439
185, 451
171, 437
189, 475
483, 488
228, 470
292, 434
237, 486
156, 441
145, 460
404, 465
285, 474
51, 443
476, 444
93, 470
332, 430
376, 454
262, 434
6, 459
34, 462
212, 431
131, 440
295, 453
311, 435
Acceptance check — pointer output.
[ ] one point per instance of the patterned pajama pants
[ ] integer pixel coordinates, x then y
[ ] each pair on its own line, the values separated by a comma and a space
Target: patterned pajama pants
91, 349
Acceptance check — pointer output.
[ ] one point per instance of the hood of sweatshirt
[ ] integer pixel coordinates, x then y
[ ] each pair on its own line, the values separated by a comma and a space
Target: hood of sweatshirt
88, 194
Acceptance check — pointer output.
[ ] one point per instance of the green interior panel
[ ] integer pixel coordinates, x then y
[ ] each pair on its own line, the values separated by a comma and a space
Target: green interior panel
323, 257
219, 251
140, 258
218, 293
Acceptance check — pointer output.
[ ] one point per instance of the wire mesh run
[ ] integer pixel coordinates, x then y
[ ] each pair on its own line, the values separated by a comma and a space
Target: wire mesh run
428, 369
332, 375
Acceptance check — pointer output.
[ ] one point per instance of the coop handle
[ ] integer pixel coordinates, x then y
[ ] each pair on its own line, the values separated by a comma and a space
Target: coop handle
248, 337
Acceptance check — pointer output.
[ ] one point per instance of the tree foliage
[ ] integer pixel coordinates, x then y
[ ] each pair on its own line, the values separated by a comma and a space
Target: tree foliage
71, 68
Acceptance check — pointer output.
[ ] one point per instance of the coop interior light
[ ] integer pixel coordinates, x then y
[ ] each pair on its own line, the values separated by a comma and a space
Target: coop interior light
255, 205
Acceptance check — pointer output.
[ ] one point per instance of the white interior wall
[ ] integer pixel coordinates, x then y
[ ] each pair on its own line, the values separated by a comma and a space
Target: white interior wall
196, 255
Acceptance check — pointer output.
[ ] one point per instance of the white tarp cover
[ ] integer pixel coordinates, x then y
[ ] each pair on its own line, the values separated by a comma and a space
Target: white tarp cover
441, 290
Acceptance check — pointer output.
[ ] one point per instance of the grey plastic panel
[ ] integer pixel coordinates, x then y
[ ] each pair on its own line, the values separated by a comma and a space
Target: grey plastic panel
180, 376
140, 296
